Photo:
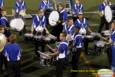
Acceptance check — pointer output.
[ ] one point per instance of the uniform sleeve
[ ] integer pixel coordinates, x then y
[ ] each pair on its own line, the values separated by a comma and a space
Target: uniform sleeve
77, 25
62, 48
33, 21
44, 23
100, 8
24, 7
41, 6
73, 9
16, 7
65, 16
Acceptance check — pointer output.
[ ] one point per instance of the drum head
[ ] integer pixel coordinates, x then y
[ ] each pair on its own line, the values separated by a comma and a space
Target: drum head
17, 24
53, 18
108, 14
105, 73
2, 41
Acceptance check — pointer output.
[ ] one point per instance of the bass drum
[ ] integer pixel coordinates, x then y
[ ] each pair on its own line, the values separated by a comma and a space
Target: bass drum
53, 18
108, 14
17, 24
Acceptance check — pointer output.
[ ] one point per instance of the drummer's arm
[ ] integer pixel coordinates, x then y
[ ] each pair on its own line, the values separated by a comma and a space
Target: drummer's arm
32, 29
89, 30
54, 54
101, 14
112, 26
47, 31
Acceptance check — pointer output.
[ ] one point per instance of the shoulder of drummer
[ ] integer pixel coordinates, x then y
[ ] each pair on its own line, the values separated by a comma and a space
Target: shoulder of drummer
101, 9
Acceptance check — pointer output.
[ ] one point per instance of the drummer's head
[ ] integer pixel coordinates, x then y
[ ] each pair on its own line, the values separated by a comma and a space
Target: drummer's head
12, 38
62, 36
45, 1
80, 15
2, 30
77, 1
113, 24
40, 12
60, 6
70, 21
19, 0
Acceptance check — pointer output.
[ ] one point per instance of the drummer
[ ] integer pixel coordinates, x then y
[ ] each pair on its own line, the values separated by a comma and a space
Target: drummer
77, 7
103, 22
82, 23
39, 20
112, 40
20, 7
3, 60
63, 17
61, 54
69, 28
4, 20
45, 4
12, 52
77, 49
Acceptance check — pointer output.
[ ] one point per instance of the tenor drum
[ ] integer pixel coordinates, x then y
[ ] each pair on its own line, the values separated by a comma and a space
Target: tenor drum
28, 36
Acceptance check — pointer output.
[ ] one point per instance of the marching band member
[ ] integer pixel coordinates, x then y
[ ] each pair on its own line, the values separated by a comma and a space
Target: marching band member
45, 4
61, 54
12, 52
103, 21
20, 8
69, 29
112, 41
82, 24
77, 7
63, 17
39, 20
3, 60
4, 20
78, 47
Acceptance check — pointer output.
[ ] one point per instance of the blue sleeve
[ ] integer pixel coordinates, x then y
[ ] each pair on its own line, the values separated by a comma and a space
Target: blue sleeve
73, 8
78, 40
44, 23
65, 16
82, 8
62, 48
100, 7
24, 7
34, 20
41, 6
77, 25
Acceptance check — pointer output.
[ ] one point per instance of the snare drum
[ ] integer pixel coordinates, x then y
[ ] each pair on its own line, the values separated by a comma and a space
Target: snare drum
106, 33
89, 37
28, 36
100, 43
105, 73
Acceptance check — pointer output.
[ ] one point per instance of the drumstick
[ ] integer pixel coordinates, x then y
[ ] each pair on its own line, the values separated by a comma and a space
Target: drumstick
51, 48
